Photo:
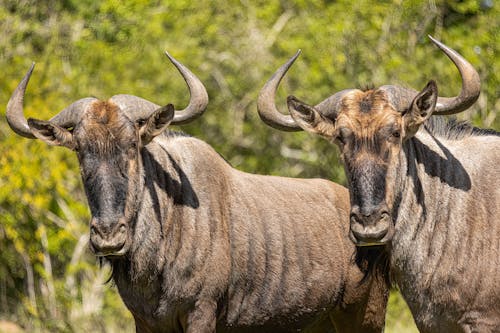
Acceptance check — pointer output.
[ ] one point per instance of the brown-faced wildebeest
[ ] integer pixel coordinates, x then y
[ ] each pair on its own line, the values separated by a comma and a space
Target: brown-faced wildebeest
425, 188
197, 246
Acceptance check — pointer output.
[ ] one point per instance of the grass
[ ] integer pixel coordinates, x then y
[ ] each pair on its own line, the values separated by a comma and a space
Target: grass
399, 318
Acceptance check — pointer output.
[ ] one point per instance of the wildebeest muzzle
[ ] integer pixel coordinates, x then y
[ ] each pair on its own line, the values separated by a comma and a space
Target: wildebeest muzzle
371, 227
107, 239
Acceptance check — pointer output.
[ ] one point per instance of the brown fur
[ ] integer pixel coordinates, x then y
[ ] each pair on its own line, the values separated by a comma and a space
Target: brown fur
102, 126
437, 187
365, 123
258, 271
209, 248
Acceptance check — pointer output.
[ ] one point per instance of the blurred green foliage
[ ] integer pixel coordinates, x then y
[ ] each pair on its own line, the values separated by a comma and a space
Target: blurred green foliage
48, 280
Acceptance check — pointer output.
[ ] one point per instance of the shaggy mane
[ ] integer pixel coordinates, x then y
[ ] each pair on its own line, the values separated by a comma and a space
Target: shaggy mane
454, 129
172, 134
176, 134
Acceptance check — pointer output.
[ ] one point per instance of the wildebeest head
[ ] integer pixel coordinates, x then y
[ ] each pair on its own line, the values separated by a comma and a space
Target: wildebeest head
107, 137
370, 128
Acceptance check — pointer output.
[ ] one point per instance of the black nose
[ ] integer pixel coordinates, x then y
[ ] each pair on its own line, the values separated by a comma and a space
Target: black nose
107, 238
370, 226
369, 215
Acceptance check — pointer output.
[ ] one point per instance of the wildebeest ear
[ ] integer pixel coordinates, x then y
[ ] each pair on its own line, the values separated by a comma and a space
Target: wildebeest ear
421, 109
156, 123
309, 119
51, 133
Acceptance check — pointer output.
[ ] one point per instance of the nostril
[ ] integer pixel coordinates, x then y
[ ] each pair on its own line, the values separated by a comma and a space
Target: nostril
123, 228
355, 218
93, 230
360, 216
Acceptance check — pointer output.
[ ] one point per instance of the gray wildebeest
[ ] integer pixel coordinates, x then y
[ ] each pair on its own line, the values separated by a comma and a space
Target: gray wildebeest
197, 246
425, 188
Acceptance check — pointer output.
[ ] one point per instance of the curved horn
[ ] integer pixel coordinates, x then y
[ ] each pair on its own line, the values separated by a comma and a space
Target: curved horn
266, 105
139, 108
135, 107
71, 115
199, 96
471, 84
15, 113
401, 97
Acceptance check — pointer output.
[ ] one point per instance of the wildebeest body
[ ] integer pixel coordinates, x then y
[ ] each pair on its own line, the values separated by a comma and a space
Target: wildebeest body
245, 248
426, 189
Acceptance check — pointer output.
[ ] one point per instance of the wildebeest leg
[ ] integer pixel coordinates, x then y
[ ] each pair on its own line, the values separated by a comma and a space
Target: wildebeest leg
202, 319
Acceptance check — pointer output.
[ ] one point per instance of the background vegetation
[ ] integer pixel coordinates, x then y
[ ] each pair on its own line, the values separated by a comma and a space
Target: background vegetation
48, 279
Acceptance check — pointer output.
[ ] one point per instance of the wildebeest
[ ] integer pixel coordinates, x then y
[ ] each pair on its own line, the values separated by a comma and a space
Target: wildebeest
425, 188
198, 246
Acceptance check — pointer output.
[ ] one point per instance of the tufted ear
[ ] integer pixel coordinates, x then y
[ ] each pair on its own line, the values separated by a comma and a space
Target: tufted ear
51, 133
156, 123
421, 109
309, 119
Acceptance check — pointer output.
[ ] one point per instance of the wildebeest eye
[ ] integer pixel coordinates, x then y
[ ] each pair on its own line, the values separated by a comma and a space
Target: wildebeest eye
390, 133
